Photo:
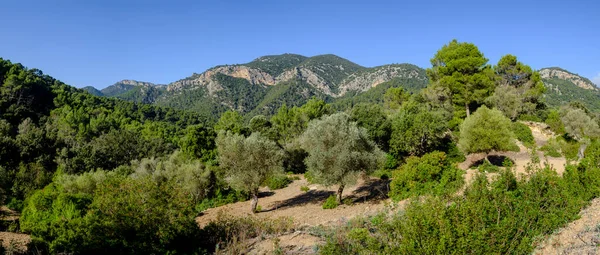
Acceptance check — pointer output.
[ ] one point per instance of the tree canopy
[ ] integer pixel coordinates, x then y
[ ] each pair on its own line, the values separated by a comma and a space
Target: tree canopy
463, 70
338, 151
485, 131
248, 162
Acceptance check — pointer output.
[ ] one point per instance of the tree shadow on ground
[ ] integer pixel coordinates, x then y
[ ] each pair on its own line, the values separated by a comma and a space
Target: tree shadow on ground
265, 194
373, 190
309, 197
496, 160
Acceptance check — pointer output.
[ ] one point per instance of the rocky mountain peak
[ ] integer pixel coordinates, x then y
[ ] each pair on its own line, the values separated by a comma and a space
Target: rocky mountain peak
555, 72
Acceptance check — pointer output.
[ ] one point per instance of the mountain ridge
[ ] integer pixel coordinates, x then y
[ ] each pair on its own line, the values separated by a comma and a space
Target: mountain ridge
267, 82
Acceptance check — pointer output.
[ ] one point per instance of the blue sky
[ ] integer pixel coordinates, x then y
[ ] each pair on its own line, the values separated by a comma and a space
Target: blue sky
100, 42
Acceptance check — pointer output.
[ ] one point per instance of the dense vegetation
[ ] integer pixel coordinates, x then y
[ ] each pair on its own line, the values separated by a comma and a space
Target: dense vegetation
97, 175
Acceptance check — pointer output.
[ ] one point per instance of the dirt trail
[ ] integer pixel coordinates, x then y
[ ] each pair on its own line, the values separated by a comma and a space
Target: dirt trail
369, 197
12, 241
521, 159
579, 237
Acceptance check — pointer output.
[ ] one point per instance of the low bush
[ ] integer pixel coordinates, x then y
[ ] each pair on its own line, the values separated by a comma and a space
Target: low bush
523, 133
158, 213
505, 216
304, 188
529, 117
559, 146
330, 203
347, 201
228, 234
15, 204
431, 174
147, 208
551, 148
487, 167
383, 174
278, 182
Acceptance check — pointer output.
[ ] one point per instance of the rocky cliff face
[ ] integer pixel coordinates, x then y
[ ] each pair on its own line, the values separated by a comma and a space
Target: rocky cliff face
330, 78
252, 75
363, 81
558, 73
125, 86
138, 83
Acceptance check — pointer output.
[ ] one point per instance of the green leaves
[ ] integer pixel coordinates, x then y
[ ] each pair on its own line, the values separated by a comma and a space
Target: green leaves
485, 131
248, 162
416, 131
462, 69
431, 174
338, 150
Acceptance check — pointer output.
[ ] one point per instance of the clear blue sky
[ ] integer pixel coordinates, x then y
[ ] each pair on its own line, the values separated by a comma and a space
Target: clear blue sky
93, 42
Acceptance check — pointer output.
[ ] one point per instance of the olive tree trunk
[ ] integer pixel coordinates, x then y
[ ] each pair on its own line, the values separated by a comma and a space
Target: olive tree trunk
339, 193
467, 108
254, 201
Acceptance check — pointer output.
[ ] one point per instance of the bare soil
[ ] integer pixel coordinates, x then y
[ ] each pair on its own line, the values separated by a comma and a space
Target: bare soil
368, 197
293, 243
14, 242
579, 237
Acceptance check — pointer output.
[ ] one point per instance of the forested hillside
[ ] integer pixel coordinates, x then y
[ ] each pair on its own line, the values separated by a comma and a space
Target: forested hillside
268, 82
47, 126
564, 86
101, 175
265, 84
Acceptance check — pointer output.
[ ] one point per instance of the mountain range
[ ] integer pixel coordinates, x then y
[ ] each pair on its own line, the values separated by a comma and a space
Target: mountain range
264, 84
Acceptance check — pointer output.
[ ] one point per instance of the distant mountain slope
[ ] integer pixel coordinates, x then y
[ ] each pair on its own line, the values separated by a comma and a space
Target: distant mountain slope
563, 86
562, 74
264, 84
276, 64
92, 91
131, 90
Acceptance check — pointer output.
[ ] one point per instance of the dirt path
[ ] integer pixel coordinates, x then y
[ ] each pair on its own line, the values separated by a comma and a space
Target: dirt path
12, 241
305, 208
521, 159
579, 237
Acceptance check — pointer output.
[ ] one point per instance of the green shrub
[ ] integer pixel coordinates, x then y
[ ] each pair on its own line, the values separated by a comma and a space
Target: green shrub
15, 204
523, 133
570, 149
551, 148
228, 234
390, 162
555, 123
258, 209
487, 167
500, 217
454, 154
304, 189
222, 197
347, 201
383, 174
278, 182
330, 203
157, 211
529, 117
431, 174
309, 177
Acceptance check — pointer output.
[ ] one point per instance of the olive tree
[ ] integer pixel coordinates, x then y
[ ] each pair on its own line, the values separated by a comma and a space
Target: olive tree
578, 124
248, 162
338, 151
485, 131
417, 131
